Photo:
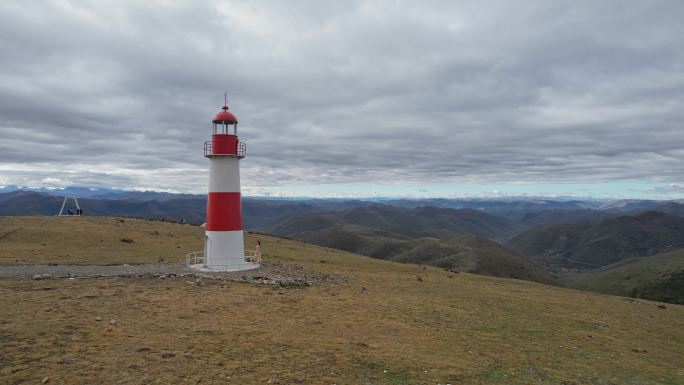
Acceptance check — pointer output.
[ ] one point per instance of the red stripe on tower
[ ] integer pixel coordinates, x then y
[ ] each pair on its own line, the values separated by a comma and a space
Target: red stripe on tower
224, 211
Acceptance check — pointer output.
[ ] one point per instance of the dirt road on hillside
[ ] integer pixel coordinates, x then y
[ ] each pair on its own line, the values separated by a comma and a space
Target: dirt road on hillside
271, 273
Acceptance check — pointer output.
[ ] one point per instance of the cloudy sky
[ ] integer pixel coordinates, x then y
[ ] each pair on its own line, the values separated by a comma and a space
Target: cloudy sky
441, 98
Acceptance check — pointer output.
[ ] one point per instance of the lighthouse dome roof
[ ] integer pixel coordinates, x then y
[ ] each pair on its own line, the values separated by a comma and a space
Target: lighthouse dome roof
225, 117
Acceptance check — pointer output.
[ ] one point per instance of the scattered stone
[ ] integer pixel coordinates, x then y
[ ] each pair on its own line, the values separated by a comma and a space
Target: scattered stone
639, 350
126, 240
168, 355
43, 276
144, 350
419, 279
662, 307
364, 289
52, 264
112, 322
290, 283
120, 220
98, 318
198, 282
188, 354
603, 325
45, 380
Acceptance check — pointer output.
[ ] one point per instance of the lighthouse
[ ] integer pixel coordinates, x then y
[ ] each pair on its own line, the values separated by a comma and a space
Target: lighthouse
224, 248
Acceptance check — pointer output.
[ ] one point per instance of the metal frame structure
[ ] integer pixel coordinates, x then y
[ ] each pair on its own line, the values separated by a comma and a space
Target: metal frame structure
61, 210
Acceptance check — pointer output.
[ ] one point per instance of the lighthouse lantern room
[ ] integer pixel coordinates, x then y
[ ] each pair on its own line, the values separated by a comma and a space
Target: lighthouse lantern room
223, 242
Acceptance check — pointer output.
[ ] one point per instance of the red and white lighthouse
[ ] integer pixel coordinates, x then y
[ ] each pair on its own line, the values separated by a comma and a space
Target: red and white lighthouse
224, 248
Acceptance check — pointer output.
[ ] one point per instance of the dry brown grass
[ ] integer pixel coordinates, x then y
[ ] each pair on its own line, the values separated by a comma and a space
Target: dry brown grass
380, 326
93, 240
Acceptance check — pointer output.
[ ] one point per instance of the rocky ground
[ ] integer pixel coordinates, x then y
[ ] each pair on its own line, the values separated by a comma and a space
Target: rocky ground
270, 273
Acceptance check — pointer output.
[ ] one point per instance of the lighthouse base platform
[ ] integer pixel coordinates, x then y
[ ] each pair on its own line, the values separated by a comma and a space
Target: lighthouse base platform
206, 269
196, 261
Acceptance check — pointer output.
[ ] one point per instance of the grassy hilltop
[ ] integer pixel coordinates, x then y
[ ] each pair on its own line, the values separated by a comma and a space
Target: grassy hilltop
659, 277
94, 241
382, 323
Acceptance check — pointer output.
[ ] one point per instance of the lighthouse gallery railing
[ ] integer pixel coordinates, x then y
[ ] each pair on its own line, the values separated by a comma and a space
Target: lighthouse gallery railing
241, 149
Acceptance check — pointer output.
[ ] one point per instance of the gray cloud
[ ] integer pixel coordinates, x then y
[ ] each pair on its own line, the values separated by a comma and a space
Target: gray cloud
121, 94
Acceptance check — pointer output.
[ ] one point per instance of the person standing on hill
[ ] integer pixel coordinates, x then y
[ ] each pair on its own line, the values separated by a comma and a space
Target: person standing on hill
257, 252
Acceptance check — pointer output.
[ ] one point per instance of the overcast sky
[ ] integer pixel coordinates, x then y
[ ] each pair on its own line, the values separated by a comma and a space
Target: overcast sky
347, 98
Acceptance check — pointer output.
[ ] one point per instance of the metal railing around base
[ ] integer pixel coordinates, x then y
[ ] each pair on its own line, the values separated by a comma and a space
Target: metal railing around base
251, 259
194, 258
252, 256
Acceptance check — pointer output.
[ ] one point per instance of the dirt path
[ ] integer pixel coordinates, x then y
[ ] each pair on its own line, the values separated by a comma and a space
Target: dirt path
90, 271
270, 273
